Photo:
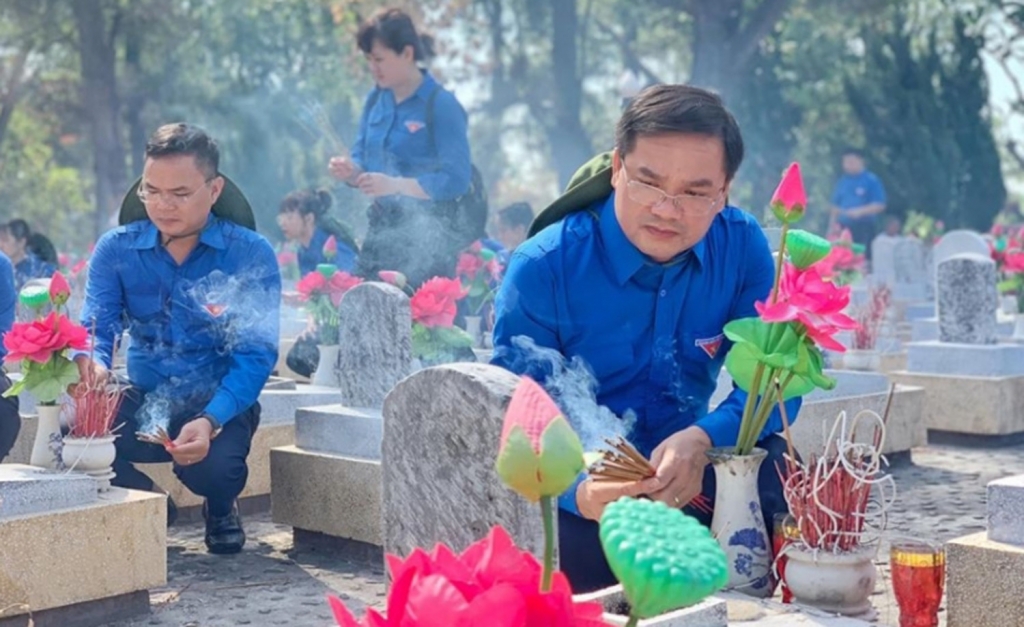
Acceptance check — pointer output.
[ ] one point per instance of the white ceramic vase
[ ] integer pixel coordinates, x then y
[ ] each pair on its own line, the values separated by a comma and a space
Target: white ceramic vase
474, 324
92, 456
841, 583
46, 450
1008, 304
325, 373
862, 359
738, 522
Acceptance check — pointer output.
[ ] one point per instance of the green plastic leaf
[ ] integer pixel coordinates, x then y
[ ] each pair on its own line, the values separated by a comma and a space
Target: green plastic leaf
518, 465
1010, 285
758, 342
48, 381
805, 248
561, 457
664, 559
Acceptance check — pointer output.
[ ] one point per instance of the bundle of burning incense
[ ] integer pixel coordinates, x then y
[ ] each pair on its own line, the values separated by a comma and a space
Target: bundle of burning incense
160, 437
624, 463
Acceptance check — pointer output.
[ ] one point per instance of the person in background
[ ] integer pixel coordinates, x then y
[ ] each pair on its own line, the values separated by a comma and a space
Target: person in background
33, 255
10, 420
411, 157
305, 221
513, 224
204, 361
893, 227
857, 200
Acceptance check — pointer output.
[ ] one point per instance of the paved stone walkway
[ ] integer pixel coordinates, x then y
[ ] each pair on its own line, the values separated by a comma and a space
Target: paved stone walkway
941, 496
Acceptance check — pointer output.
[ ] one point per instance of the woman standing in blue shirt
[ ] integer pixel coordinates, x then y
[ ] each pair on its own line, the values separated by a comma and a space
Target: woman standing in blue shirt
32, 254
411, 156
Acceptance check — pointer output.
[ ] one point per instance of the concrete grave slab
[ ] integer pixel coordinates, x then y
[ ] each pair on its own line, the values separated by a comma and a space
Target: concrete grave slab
340, 430
971, 360
1006, 510
28, 490
983, 582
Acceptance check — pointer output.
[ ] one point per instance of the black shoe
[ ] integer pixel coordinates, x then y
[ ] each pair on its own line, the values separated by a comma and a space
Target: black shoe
224, 534
172, 511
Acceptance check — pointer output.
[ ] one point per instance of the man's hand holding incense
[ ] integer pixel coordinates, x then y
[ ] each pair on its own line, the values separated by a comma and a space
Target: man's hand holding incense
89, 370
680, 461
193, 443
593, 496
344, 169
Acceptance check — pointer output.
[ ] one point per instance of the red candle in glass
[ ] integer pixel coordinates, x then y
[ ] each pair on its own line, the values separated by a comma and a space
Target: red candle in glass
918, 579
785, 531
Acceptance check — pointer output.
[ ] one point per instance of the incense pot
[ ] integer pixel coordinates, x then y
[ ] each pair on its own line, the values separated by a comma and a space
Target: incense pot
326, 373
738, 522
92, 456
834, 582
47, 445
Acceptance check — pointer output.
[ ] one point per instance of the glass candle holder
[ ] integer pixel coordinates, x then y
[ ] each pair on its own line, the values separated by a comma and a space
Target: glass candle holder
918, 578
784, 531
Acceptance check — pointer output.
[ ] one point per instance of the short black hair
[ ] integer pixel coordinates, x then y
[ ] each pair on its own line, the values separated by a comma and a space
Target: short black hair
307, 201
185, 139
394, 29
517, 214
851, 151
684, 109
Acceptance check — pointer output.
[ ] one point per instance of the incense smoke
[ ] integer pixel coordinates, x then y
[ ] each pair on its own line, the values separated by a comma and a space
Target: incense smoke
573, 386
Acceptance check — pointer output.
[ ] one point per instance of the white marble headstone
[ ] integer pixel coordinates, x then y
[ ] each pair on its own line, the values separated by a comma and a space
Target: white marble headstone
375, 349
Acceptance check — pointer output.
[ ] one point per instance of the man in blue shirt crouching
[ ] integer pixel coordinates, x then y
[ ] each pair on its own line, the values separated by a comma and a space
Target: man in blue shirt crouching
200, 295
635, 270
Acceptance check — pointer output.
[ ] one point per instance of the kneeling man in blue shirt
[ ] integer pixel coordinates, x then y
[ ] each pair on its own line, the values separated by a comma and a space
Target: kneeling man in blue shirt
200, 297
635, 270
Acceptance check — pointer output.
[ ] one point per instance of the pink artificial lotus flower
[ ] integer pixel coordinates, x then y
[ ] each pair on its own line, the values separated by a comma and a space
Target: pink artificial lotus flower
789, 202
1014, 261
60, 291
815, 303
330, 248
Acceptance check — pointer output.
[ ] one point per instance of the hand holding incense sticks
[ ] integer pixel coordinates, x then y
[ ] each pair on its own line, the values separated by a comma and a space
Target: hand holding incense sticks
623, 463
159, 437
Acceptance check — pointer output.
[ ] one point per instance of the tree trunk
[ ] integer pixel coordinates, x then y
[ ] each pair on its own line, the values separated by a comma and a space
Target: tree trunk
135, 99
102, 109
15, 88
570, 144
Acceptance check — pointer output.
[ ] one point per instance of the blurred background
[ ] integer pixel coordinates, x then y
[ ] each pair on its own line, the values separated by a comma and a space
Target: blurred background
931, 90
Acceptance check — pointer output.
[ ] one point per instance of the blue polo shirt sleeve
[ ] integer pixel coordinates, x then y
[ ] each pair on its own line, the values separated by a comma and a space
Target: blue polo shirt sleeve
358, 146
8, 298
104, 298
452, 176
723, 424
875, 190
254, 353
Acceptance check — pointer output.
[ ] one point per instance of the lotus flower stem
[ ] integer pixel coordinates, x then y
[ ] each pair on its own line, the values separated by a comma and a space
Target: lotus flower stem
633, 621
778, 263
748, 410
547, 513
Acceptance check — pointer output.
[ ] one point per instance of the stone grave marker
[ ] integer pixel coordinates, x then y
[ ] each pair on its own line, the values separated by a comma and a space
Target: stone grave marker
967, 299
441, 433
956, 243
30, 490
883, 262
376, 349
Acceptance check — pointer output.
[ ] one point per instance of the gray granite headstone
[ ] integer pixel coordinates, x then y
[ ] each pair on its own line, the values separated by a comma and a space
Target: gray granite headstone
909, 266
375, 343
967, 299
441, 432
31, 490
956, 243
1006, 510
883, 262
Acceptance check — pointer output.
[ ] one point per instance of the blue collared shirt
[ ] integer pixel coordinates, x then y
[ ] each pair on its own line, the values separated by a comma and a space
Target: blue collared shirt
651, 333
176, 338
394, 139
8, 299
313, 255
32, 267
853, 191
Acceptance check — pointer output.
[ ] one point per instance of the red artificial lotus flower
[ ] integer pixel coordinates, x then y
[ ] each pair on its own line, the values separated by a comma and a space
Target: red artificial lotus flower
60, 291
491, 584
316, 284
840, 258
817, 304
1013, 261
330, 248
789, 202
38, 340
310, 285
340, 284
469, 265
434, 304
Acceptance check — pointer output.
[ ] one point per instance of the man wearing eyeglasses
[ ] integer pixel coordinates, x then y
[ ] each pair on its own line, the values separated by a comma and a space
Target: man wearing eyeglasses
200, 297
635, 270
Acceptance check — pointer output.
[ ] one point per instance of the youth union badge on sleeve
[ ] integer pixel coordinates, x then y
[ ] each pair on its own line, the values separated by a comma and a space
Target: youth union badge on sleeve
710, 345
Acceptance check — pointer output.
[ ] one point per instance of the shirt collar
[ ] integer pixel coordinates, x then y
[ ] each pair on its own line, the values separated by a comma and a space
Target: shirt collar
426, 87
625, 258
211, 235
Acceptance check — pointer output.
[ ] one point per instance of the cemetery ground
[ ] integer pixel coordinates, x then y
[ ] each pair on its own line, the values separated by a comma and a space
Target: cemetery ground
941, 496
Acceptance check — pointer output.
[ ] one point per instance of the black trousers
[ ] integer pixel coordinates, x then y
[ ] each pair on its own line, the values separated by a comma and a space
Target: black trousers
863, 232
579, 545
219, 478
10, 420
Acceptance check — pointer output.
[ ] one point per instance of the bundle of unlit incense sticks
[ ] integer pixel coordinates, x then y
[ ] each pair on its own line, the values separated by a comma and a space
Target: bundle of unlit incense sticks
159, 437
624, 463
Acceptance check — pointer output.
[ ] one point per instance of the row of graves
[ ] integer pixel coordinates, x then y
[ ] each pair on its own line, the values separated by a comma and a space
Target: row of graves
395, 443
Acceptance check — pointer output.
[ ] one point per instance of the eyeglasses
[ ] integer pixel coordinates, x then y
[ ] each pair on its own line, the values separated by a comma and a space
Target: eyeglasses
650, 196
174, 199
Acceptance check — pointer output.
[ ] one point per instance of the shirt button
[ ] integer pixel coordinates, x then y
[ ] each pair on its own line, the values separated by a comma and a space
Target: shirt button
663, 292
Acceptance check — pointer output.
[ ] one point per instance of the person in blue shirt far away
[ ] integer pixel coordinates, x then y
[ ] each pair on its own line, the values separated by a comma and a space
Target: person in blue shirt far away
411, 156
858, 200
10, 420
638, 283
33, 255
512, 225
201, 299
305, 221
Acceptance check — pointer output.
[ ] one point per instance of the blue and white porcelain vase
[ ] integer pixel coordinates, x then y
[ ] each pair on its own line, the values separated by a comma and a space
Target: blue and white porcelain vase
738, 523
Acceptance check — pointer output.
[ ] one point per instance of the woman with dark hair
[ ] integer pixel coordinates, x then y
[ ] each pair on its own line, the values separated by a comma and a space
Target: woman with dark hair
411, 157
32, 254
305, 221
